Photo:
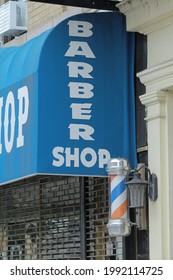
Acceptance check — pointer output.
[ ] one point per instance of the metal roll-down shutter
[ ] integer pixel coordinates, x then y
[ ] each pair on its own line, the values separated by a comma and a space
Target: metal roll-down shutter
99, 244
43, 218
40, 219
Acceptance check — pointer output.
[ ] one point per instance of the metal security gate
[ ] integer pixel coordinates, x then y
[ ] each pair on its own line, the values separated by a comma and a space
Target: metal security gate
99, 245
40, 219
44, 218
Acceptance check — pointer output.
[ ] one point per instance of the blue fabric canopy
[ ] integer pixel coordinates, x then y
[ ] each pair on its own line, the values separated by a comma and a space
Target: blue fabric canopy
67, 99
17, 63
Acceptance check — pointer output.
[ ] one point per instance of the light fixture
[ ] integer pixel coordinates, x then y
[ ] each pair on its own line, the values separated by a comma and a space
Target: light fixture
137, 189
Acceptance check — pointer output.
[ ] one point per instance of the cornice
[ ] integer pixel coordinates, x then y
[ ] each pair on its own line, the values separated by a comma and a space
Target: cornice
127, 6
153, 98
146, 16
159, 77
155, 104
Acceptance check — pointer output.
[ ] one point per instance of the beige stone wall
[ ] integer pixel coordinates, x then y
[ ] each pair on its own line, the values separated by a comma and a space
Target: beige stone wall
40, 13
42, 17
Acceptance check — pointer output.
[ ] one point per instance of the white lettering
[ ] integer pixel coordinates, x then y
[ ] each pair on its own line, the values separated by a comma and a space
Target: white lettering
88, 157
10, 110
81, 130
81, 90
82, 69
57, 153
80, 28
104, 157
81, 111
23, 113
72, 157
9, 113
79, 48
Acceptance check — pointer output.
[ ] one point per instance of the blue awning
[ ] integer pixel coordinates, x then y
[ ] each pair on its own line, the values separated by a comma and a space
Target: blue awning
67, 99
17, 63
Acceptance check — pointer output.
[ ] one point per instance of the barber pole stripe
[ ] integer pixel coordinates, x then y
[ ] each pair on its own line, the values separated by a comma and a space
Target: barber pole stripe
118, 197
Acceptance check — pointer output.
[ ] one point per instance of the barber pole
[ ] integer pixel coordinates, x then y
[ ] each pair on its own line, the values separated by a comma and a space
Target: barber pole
119, 224
118, 196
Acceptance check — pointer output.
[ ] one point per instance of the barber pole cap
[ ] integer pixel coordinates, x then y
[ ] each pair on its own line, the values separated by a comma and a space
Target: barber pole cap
118, 166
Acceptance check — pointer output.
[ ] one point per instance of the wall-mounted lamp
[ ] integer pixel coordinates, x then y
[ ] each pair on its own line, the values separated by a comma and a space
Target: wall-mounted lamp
137, 189
121, 200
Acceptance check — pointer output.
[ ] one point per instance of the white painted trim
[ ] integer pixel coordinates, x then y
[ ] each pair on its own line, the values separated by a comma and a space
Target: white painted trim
155, 104
158, 78
147, 16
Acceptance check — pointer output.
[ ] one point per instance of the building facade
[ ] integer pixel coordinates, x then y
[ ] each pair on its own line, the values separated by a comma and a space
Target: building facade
65, 217
154, 19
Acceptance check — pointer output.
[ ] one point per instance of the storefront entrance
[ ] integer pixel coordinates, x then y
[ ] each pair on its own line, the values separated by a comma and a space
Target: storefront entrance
56, 217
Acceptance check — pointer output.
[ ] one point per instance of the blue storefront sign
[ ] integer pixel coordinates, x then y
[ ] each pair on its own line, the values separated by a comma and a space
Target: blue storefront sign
67, 99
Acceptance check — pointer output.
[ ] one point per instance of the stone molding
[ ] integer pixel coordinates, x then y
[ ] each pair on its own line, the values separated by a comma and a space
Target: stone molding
146, 16
155, 104
159, 77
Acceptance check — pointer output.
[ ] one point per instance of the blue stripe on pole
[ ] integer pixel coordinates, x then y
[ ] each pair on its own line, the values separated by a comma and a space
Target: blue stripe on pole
118, 190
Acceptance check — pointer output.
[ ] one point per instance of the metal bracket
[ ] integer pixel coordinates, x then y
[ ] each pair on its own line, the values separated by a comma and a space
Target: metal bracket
153, 188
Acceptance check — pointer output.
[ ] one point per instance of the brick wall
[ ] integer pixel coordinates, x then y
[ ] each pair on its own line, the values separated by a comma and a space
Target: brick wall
40, 13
